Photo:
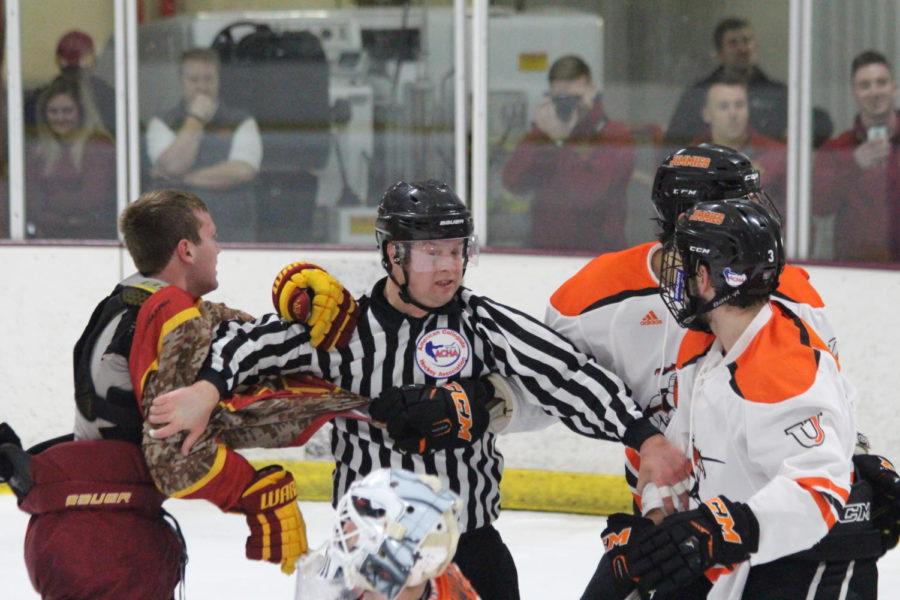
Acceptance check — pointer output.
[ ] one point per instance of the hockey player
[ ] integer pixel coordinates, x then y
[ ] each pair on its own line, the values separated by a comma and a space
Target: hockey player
612, 311
765, 413
98, 491
424, 350
394, 537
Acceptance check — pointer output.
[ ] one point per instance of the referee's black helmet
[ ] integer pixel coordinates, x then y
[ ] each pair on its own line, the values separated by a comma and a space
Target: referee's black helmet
427, 210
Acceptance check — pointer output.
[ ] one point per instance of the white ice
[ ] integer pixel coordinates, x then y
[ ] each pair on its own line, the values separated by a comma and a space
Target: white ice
555, 554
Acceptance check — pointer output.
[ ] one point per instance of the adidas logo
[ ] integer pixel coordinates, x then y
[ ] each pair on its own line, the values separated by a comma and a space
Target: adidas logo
651, 319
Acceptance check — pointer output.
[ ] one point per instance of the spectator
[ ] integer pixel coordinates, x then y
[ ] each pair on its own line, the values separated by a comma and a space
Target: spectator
736, 52
76, 58
727, 117
576, 162
208, 148
856, 173
70, 169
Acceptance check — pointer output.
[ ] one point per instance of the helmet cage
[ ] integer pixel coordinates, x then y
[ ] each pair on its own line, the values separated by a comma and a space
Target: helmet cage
394, 529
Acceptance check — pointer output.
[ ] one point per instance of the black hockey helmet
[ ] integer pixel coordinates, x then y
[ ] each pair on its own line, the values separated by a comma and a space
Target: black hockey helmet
698, 173
738, 240
419, 211
427, 210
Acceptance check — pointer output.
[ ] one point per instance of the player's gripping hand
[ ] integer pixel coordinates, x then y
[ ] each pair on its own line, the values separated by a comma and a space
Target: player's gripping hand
885, 482
277, 529
306, 293
678, 550
421, 417
612, 580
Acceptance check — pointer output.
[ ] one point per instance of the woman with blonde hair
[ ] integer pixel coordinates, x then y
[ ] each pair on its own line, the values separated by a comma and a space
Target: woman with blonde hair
70, 168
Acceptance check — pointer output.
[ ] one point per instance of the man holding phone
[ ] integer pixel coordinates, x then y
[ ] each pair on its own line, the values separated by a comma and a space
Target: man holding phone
856, 174
576, 162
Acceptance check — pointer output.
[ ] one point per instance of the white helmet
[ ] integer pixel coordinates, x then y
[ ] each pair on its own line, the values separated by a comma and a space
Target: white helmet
394, 529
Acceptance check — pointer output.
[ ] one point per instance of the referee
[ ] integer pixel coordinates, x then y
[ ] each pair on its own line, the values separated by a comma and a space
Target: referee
423, 349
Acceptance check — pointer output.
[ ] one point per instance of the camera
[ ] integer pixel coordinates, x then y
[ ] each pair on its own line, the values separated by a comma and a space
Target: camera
565, 105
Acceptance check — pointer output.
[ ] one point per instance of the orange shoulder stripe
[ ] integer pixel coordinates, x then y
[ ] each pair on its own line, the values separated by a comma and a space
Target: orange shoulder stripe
794, 285
780, 363
605, 279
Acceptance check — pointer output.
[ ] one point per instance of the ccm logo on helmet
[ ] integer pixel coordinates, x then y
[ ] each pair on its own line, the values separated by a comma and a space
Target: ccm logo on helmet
699, 250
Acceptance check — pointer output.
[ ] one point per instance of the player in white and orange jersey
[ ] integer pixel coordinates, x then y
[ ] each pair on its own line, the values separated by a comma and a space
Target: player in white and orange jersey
765, 413
612, 311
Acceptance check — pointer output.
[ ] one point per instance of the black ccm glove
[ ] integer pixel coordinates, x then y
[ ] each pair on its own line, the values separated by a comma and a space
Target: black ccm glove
612, 580
885, 482
684, 545
427, 417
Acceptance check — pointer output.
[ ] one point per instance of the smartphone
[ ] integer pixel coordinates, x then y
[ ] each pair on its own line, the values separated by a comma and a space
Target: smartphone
877, 132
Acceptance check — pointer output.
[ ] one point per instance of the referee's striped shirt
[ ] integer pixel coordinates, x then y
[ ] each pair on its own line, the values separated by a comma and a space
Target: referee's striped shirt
389, 349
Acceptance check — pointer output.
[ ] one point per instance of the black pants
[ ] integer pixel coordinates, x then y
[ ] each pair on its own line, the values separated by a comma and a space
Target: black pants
485, 560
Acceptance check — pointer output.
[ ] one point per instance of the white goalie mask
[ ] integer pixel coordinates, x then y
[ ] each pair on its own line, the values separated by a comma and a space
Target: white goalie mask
394, 529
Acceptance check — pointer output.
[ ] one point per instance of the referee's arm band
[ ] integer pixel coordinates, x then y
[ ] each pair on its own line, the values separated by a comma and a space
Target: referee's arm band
637, 432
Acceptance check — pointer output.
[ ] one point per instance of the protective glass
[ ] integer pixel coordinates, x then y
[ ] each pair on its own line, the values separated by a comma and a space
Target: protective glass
432, 256
762, 198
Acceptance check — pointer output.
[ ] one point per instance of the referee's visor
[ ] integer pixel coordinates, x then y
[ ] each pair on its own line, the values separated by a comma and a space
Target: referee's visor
431, 256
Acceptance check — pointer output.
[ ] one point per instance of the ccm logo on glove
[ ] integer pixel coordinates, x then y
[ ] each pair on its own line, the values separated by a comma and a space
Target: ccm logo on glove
724, 519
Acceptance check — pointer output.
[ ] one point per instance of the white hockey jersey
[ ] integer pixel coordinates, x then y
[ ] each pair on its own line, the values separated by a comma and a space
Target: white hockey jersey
611, 310
770, 423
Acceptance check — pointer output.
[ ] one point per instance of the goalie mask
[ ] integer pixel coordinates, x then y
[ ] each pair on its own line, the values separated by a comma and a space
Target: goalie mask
394, 529
431, 230
701, 173
738, 241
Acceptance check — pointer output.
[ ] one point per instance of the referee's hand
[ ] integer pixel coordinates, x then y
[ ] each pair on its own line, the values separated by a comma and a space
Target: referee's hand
422, 418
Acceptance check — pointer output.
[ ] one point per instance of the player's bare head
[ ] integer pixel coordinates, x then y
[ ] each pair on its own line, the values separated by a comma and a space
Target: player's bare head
698, 173
155, 223
425, 235
722, 252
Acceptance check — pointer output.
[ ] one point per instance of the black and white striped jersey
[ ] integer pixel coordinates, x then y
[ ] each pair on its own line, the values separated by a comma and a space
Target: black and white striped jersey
475, 338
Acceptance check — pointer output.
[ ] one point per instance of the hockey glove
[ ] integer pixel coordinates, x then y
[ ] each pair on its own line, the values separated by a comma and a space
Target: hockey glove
15, 463
612, 579
678, 550
885, 482
277, 529
422, 418
306, 293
